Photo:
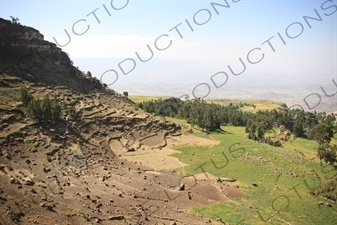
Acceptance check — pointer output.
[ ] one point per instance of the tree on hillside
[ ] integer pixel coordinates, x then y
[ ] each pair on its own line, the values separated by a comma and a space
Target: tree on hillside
260, 132
55, 110
46, 108
328, 153
34, 110
329, 119
210, 121
25, 96
126, 94
89, 74
248, 125
298, 129
284, 107
252, 131
311, 120
15, 20
322, 133
73, 114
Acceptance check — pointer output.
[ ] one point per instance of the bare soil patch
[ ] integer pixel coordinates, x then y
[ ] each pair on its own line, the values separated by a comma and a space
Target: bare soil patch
192, 140
159, 159
104, 168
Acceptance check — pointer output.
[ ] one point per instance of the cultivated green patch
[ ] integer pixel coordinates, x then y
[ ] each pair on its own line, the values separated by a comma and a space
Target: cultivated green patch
249, 105
140, 98
286, 179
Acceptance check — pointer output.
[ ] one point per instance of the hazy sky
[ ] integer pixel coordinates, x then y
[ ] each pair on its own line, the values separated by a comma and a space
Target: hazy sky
115, 30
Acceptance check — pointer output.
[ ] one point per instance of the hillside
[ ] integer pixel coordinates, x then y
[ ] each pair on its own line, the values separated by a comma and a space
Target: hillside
282, 159
73, 151
96, 162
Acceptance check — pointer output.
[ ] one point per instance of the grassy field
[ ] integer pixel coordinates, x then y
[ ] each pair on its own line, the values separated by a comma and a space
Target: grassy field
260, 104
284, 178
275, 170
139, 98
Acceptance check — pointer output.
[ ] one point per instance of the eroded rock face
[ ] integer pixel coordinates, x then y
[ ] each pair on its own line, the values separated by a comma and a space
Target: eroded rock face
16, 30
28, 41
25, 53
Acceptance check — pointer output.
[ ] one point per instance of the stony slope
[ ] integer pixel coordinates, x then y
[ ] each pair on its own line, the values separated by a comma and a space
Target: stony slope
68, 172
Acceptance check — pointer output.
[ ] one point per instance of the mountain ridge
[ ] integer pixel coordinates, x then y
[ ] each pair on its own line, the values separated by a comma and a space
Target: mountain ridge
84, 166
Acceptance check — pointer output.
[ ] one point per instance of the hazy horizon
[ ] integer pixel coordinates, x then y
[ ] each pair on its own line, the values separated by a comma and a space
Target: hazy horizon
292, 45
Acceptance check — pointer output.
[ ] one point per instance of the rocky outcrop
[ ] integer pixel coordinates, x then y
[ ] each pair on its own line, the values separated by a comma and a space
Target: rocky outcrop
25, 53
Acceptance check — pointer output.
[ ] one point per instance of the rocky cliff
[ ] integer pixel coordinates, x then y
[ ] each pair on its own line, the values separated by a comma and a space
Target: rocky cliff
24, 53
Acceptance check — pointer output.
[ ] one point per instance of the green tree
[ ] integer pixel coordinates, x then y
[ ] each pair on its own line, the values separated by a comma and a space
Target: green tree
252, 131
298, 130
126, 94
34, 110
55, 110
14, 20
25, 96
329, 119
284, 106
73, 114
46, 108
209, 121
327, 153
260, 132
321, 133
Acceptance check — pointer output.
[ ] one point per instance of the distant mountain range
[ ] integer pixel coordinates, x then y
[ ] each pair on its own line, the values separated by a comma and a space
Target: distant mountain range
178, 77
